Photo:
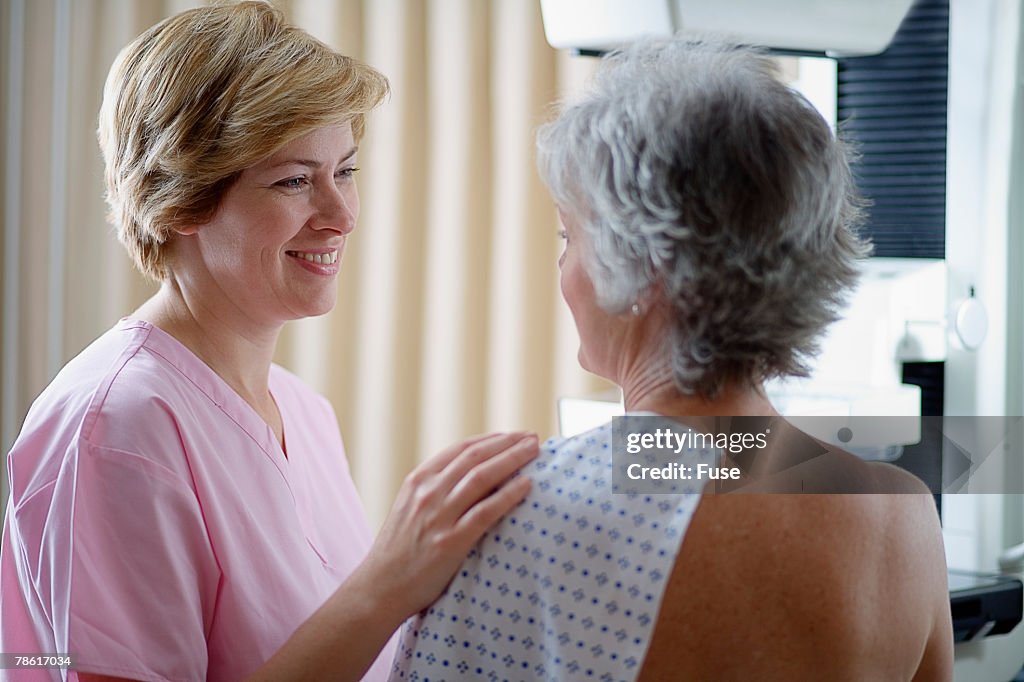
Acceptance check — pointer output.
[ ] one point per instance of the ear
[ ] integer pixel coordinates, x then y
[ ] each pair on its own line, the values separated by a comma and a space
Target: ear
185, 230
652, 296
646, 300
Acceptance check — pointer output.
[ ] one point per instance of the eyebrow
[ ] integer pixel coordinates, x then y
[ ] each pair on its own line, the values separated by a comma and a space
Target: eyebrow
309, 163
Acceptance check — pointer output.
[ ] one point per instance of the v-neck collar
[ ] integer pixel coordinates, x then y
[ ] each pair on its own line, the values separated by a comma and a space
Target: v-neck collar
211, 384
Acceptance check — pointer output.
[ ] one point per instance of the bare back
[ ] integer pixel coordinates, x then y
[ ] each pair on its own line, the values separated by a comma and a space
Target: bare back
787, 587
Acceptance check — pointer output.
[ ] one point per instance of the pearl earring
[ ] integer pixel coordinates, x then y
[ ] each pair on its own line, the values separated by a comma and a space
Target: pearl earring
635, 309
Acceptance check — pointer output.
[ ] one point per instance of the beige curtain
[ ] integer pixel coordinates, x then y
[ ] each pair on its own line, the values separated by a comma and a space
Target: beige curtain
449, 320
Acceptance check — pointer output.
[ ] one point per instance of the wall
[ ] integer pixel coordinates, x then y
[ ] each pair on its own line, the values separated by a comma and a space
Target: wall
985, 133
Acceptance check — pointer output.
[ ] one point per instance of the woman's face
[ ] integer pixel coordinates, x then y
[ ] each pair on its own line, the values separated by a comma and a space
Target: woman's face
273, 248
594, 325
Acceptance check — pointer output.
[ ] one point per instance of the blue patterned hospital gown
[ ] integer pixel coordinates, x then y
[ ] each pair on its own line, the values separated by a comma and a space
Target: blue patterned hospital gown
566, 587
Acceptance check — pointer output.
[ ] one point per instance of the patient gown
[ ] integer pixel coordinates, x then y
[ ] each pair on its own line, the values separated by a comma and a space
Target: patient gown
566, 587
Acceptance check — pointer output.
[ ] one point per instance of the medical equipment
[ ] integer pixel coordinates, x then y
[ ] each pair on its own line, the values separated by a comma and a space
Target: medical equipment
833, 27
936, 316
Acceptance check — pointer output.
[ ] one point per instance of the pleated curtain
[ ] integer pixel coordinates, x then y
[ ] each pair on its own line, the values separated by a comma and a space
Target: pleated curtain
449, 320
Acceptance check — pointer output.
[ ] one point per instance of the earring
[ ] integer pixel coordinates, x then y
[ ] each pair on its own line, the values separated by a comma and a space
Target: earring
635, 310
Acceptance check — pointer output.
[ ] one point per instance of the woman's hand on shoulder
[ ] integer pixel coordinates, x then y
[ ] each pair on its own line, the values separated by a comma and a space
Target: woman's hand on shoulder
443, 508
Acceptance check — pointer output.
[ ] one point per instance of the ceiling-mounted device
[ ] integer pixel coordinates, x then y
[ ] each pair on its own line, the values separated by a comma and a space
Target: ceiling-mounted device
830, 27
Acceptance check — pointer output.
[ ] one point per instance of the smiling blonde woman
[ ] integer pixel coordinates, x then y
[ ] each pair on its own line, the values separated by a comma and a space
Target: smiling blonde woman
180, 507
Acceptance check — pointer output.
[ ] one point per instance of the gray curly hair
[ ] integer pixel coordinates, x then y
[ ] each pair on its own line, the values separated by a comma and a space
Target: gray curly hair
690, 165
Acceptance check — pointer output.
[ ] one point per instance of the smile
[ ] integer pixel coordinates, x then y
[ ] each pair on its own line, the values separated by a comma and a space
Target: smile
328, 258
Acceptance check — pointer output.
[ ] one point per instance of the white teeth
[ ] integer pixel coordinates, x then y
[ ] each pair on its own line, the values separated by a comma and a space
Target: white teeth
319, 258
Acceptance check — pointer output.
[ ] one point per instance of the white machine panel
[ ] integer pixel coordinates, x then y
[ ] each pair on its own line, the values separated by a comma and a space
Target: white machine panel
835, 27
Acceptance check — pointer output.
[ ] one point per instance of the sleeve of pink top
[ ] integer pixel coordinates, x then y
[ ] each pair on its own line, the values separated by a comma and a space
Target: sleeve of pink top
142, 580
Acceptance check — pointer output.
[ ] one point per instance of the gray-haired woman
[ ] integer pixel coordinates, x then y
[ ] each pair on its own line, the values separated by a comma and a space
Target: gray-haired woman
709, 216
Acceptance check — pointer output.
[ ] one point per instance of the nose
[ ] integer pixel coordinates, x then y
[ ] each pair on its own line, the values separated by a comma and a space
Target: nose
337, 208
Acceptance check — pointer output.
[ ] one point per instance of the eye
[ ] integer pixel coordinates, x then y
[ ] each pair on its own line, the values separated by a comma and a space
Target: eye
562, 234
293, 183
346, 172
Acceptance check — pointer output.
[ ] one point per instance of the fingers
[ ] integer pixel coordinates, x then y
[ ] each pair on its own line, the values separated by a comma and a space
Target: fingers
485, 514
443, 508
477, 454
484, 468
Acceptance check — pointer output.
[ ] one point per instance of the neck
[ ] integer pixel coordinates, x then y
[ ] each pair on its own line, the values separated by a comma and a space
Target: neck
651, 389
238, 350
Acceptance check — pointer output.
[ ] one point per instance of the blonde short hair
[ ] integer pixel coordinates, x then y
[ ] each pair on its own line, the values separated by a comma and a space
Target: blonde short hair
203, 95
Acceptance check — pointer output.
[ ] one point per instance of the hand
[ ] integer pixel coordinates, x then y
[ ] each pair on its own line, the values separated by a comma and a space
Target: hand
444, 506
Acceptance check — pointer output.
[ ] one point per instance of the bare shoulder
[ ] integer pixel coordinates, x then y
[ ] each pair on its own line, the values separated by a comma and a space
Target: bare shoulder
775, 586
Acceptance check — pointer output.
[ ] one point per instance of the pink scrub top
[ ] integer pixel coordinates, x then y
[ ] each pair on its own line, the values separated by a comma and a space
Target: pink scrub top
156, 530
